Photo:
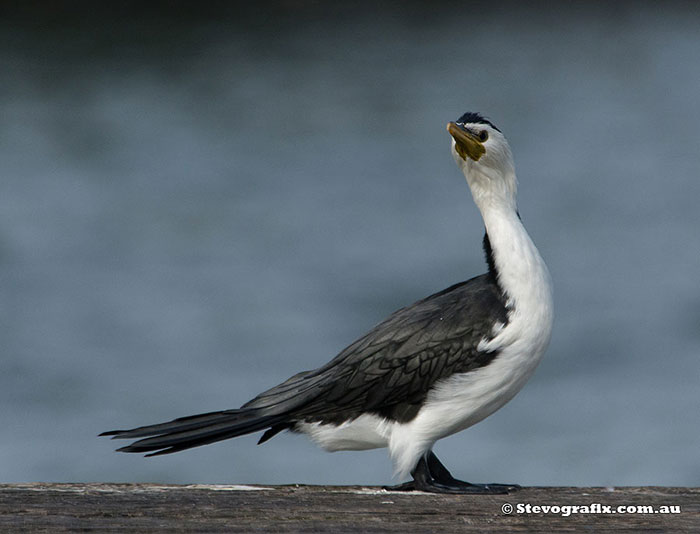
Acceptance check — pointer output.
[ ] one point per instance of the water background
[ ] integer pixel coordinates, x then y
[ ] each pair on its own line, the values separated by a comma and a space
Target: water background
195, 205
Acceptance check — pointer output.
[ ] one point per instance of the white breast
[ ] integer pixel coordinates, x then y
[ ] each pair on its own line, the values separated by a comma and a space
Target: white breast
465, 399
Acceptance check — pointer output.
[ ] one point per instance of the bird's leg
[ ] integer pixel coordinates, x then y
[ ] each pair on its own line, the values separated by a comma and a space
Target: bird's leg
443, 476
431, 476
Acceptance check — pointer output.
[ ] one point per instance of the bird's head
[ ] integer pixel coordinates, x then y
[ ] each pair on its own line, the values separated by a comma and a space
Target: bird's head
483, 154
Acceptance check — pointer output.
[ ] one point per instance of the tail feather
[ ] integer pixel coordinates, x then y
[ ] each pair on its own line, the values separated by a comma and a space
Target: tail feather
187, 432
190, 422
273, 410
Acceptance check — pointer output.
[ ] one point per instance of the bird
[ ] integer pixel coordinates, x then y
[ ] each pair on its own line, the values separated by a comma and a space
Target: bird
430, 369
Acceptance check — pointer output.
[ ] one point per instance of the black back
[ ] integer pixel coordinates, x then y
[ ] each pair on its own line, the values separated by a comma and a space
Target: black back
390, 370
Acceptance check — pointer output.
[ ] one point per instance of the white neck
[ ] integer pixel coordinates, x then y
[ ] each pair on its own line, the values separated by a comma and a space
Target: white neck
521, 272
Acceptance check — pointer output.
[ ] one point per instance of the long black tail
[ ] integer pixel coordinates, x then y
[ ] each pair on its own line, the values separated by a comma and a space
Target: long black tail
187, 432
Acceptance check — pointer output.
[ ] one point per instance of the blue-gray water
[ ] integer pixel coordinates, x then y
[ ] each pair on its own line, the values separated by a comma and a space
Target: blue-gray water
193, 209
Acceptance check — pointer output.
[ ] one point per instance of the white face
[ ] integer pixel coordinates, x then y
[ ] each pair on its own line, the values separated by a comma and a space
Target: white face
484, 156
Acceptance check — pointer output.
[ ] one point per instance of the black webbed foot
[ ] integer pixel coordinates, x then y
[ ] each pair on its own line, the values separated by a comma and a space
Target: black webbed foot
433, 477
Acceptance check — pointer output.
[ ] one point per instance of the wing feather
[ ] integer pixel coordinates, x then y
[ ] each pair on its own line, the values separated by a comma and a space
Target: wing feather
390, 370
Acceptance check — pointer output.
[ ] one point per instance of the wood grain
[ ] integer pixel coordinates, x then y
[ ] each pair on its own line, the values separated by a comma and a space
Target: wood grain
40, 507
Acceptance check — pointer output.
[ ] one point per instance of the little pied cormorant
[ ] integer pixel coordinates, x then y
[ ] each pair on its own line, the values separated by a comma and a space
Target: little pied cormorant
429, 370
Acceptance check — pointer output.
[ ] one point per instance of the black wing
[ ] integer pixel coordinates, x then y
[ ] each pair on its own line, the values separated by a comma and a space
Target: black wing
388, 372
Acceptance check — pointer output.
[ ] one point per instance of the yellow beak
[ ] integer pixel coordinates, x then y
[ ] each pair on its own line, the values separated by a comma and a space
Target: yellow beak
466, 143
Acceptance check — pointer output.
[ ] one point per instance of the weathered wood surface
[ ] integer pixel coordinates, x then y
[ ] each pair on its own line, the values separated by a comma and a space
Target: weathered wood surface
150, 507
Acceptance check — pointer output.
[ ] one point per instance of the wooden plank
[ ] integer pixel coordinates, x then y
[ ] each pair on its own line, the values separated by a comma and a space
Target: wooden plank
159, 508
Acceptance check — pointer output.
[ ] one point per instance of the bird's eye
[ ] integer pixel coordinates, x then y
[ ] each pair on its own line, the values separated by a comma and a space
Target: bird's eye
483, 135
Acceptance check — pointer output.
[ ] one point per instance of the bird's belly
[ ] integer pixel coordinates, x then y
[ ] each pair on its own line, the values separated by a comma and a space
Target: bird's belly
458, 403
365, 432
465, 399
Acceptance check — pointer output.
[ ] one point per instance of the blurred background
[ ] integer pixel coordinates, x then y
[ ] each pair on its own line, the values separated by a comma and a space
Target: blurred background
198, 202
